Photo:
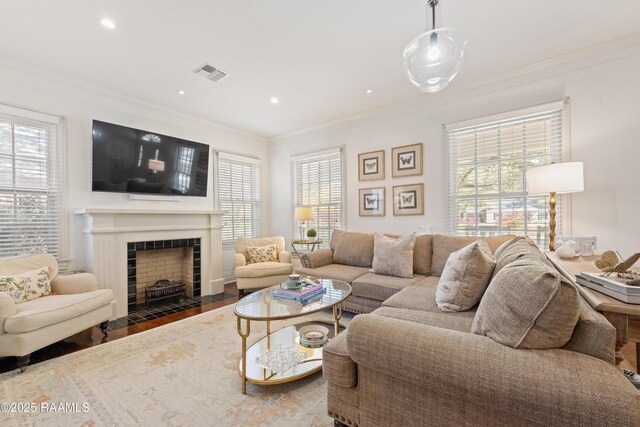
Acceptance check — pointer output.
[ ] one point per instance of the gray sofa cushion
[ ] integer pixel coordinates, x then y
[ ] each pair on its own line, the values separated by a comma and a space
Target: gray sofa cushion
343, 371
528, 304
457, 321
380, 287
350, 248
443, 246
347, 273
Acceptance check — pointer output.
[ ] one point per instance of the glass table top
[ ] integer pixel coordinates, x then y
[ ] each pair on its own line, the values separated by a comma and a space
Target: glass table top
261, 305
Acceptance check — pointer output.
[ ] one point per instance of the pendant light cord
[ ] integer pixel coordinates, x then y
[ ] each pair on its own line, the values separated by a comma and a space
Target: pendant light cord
432, 4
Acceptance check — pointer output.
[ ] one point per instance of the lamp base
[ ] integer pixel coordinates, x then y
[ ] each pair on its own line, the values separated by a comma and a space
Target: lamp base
552, 221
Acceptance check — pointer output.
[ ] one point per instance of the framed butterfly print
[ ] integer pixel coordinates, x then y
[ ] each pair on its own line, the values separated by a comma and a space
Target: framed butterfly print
372, 201
371, 166
408, 199
406, 160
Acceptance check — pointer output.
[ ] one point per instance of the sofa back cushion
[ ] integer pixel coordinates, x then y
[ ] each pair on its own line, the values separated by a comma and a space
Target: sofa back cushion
528, 304
422, 252
444, 245
514, 249
22, 264
393, 256
351, 248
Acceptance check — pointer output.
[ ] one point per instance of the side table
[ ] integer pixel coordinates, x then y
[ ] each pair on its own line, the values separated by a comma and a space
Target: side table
312, 243
617, 312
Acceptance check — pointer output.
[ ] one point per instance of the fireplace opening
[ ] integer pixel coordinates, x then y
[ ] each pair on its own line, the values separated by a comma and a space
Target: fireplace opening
153, 265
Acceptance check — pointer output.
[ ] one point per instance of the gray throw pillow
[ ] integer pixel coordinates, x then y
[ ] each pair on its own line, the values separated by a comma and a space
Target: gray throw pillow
465, 277
393, 257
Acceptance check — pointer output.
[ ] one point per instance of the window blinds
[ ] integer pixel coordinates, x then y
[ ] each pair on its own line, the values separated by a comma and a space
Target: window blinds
29, 184
488, 159
318, 182
239, 197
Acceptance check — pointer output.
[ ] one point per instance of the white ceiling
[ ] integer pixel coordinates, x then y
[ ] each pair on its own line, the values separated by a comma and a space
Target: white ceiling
318, 57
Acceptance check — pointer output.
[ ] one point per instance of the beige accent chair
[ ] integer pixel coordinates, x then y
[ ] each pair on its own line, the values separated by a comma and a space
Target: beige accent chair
262, 274
77, 304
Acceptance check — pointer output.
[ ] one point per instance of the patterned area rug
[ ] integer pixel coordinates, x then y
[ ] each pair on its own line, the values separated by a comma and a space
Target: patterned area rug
181, 374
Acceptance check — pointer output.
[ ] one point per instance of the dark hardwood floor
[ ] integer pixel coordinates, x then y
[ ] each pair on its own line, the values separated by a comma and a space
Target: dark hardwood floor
92, 337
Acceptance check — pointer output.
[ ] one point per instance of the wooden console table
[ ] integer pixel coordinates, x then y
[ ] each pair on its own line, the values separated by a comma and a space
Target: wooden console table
617, 312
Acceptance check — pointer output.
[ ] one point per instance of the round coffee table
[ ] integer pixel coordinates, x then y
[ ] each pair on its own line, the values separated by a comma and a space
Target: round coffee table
262, 306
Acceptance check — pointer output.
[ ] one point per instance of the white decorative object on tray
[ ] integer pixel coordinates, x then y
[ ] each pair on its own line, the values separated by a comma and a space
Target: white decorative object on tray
280, 359
313, 336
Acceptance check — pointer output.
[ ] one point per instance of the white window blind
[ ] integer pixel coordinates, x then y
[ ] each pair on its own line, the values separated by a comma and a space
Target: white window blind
318, 182
239, 196
29, 183
488, 159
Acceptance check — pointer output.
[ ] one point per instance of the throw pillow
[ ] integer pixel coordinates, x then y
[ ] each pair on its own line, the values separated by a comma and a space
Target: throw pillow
267, 253
465, 277
27, 286
528, 304
393, 257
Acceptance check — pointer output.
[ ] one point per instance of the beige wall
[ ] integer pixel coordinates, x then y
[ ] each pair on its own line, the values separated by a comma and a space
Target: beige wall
604, 88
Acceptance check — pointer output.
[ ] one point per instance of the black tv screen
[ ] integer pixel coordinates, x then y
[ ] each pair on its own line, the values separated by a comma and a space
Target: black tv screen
127, 160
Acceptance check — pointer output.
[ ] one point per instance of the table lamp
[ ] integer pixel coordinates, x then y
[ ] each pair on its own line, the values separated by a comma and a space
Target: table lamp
156, 166
303, 214
555, 178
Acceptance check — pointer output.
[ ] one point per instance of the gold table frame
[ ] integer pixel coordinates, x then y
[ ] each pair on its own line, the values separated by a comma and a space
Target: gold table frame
245, 330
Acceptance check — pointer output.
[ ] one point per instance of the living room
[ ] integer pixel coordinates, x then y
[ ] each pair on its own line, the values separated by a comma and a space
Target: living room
297, 99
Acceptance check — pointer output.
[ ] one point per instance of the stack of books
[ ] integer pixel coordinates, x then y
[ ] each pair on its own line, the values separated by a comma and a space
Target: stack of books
307, 292
610, 285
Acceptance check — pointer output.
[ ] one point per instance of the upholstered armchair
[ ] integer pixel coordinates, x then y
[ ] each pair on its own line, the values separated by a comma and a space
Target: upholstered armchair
75, 305
261, 262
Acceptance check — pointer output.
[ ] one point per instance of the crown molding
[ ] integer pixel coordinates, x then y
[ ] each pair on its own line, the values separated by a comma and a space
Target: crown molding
605, 52
23, 74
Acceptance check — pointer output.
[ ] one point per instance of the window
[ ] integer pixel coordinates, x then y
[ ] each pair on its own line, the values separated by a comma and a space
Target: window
184, 163
239, 196
318, 183
488, 159
29, 183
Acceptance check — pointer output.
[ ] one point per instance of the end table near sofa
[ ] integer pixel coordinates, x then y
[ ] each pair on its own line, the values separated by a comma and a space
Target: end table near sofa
312, 243
617, 312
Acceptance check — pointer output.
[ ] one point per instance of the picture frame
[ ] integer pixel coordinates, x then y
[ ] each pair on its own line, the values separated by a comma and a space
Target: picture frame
371, 166
372, 201
406, 160
408, 199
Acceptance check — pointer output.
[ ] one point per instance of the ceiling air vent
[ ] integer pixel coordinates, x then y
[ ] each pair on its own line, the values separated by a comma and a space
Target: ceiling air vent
210, 72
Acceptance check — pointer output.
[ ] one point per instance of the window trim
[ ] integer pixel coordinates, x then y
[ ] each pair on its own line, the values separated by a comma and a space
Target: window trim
61, 156
343, 184
248, 160
564, 200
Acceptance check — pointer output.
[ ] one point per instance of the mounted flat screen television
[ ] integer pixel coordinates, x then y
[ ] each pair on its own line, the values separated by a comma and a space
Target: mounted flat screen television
127, 160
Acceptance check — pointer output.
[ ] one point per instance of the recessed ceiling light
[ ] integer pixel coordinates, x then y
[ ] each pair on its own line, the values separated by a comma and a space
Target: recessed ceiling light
180, 92
274, 100
108, 23
369, 91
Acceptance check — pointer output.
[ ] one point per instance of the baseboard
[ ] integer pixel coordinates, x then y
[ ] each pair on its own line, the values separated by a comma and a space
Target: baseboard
214, 287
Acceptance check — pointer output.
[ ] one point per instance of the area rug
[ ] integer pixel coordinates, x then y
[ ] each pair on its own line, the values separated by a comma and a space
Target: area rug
181, 374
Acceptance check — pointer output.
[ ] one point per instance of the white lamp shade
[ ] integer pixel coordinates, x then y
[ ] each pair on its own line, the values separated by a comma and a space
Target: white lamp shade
555, 178
303, 213
156, 165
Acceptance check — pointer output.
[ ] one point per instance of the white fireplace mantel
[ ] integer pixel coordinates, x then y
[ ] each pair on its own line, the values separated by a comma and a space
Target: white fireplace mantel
107, 232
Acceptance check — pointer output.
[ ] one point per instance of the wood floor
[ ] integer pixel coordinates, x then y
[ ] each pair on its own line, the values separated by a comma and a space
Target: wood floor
93, 336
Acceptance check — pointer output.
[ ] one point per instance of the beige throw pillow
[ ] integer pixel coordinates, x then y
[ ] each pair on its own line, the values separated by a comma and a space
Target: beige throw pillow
528, 304
465, 277
393, 257
27, 286
267, 253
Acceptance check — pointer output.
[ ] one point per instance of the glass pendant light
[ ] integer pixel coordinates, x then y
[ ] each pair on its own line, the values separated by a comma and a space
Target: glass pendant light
434, 58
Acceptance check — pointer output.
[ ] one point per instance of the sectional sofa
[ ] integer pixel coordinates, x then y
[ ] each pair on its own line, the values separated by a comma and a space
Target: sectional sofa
408, 363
